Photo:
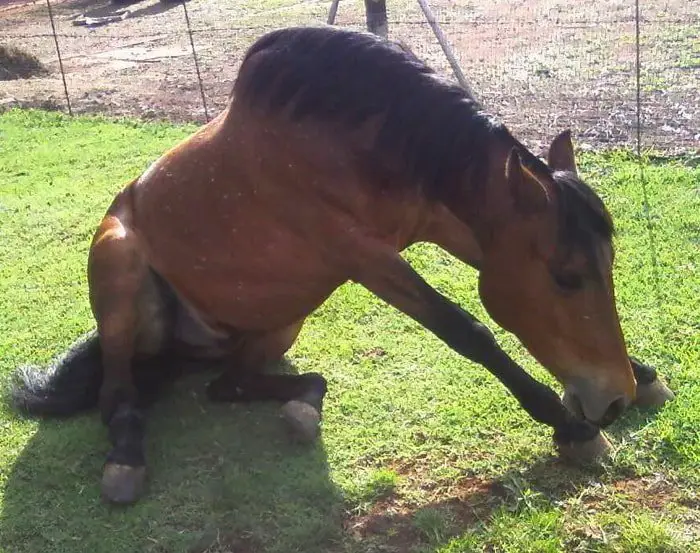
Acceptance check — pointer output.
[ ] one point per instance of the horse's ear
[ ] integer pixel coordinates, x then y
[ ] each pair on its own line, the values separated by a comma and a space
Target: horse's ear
561, 153
529, 195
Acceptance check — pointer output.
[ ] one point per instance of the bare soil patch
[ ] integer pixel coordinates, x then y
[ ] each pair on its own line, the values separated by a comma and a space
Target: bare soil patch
392, 523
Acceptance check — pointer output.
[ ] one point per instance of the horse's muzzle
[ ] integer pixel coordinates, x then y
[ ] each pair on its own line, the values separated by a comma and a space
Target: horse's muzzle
598, 411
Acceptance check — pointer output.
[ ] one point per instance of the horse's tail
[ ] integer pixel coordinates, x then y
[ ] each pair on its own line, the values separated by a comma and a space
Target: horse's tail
71, 384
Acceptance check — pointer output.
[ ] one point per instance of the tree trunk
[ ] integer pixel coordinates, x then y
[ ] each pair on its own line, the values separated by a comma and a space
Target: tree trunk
376, 17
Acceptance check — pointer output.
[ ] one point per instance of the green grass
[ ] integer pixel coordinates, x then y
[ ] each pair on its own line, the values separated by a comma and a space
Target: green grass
411, 431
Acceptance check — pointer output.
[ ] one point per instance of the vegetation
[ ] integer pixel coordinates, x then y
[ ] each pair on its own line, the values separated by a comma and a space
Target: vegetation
421, 450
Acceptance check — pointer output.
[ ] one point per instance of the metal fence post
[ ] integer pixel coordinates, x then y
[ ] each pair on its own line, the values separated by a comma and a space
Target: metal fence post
60, 60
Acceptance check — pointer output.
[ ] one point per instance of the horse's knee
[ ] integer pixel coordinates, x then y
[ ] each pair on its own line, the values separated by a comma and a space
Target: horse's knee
483, 334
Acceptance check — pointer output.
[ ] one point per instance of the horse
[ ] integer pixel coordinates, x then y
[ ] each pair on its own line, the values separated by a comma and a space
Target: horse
336, 151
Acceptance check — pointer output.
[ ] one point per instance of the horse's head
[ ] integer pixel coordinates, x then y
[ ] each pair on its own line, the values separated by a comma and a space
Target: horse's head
546, 276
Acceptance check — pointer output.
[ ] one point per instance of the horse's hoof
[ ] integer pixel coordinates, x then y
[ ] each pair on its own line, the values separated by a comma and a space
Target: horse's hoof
303, 421
122, 484
653, 394
589, 452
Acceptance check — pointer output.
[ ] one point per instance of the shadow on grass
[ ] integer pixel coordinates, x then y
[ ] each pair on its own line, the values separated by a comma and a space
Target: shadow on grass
468, 505
226, 478
221, 478
471, 503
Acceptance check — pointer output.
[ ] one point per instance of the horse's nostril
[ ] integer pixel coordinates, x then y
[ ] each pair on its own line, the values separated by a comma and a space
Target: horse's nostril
614, 410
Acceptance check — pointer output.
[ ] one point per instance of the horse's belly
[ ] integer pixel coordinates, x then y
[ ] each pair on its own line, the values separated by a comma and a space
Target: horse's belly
247, 284
262, 303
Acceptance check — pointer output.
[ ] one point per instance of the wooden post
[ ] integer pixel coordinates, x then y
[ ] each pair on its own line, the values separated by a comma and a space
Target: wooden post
332, 12
377, 22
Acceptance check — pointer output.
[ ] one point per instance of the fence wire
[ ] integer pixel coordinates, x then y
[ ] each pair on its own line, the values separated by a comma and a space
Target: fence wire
540, 66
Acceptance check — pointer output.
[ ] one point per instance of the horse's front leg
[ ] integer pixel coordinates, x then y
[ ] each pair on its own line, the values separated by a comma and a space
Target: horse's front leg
388, 276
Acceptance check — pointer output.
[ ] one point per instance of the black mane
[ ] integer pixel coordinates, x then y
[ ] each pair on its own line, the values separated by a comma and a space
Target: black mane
431, 129
583, 220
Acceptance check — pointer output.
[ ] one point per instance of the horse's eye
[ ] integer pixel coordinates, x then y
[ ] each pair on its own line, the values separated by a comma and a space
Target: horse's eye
569, 282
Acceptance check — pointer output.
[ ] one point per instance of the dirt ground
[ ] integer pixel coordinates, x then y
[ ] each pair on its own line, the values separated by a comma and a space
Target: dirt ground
542, 65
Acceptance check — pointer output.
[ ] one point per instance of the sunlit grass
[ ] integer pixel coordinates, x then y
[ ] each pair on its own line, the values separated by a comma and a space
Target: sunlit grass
398, 397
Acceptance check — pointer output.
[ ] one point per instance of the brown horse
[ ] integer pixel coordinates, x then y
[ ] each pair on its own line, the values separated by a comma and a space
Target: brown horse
337, 151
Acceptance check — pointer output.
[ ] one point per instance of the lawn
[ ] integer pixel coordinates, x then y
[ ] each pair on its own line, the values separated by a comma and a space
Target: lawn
421, 451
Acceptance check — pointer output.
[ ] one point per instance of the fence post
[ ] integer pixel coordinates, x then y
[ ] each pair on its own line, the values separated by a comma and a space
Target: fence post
377, 21
442, 40
60, 60
196, 61
332, 12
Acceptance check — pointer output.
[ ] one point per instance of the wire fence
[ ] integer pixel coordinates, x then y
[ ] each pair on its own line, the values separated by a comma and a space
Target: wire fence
618, 73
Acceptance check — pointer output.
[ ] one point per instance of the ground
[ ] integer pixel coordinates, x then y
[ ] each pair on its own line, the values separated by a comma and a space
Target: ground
542, 65
422, 452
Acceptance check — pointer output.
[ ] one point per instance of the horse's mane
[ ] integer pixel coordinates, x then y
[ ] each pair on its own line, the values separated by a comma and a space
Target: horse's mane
432, 130
583, 219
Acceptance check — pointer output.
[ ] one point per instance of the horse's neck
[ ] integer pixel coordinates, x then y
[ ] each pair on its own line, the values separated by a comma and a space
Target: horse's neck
464, 227
446, 230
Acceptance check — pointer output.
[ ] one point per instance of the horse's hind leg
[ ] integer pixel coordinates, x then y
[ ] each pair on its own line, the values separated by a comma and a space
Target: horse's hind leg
244, 380
131, 322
